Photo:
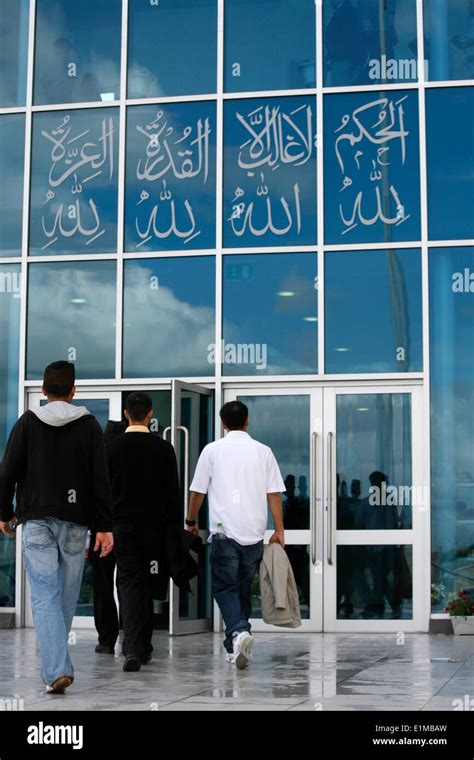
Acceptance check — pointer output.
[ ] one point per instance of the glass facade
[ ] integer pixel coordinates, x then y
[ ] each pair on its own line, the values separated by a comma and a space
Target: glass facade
212, 195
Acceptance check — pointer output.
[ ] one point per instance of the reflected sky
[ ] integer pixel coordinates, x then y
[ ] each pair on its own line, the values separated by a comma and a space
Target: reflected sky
270, 302
371, 167
71, 315
452, 416
77, 53
449, 38
171, 170
14, 22
172, 48
450, 169
10, 285
169, 317
74, 194
269, 45
269, 172
12, 151
373, 311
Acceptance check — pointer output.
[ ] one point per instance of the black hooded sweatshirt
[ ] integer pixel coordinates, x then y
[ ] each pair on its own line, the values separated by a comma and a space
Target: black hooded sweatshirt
55, 459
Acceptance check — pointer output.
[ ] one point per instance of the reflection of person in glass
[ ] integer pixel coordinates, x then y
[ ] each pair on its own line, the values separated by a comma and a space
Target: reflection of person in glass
345, 44
296, 517
390, 577
59, 80
465, 41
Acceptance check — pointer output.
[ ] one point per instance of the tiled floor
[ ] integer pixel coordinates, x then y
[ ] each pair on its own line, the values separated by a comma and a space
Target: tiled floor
291, 671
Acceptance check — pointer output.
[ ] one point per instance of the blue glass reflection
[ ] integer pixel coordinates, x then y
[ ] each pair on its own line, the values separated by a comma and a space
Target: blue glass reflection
449, 38
72, 314
269, 45
77, 53
369, 42
452, 421
269, 172
270, 314
169, 317
172, 48
371, 167
12, 151
14, 23
74, 191
10, 299
450, 163
373, 311
171, 167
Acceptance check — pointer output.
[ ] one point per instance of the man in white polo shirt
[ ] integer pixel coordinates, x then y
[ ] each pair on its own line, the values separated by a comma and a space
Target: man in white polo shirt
242, 478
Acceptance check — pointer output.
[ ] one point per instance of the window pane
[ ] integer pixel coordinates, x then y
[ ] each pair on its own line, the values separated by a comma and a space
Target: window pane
10, 288
369, 42
269, 172
373, 311
14, 22
371, 167
270, 314
71, 315
269, 45
449, 38
172, 48
450, 151
452, 421
12, 152
374, 582
176, 297
171, 170
74, 182
77, 54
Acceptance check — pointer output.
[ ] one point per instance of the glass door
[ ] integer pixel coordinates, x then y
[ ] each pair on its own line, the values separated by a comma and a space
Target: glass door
376, 572
191, 429
104, 406
291, 422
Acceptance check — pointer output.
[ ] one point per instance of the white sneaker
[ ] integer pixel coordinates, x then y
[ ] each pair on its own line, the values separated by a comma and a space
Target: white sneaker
230, 657
243, 643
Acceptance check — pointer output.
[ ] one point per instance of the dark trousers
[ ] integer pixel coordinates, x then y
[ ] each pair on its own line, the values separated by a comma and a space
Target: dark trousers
233, 568
134, 548
105, 610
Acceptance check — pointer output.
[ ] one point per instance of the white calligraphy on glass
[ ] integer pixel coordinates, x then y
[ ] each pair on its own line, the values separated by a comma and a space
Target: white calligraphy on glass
171, 155
75, 161
378, 140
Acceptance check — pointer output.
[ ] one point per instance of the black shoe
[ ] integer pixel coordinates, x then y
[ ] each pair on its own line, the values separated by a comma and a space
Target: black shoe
132, 663
102, 649
146, 658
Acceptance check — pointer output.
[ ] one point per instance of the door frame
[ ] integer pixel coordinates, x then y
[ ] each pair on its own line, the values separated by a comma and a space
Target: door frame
324, 617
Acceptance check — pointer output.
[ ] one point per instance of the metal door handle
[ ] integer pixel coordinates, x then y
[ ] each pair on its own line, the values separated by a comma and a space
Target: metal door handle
186, 467
330, 499
165, 433
314, 496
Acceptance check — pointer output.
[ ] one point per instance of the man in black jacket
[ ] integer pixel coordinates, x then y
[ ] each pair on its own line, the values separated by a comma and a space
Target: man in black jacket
55, 460
145, 490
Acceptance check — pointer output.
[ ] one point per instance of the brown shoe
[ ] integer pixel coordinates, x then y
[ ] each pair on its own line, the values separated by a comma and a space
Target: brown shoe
59, 685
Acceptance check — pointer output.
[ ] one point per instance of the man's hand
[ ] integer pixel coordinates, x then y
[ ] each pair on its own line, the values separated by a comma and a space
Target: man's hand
7, 527
278, 538
193, 529
104, 542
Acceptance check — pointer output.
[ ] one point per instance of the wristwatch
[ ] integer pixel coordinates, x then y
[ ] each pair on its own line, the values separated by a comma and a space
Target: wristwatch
190, 523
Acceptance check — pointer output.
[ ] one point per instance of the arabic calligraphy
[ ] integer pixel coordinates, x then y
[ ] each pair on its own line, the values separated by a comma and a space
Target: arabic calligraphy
370, 141
170, 160
77, 158
277, 147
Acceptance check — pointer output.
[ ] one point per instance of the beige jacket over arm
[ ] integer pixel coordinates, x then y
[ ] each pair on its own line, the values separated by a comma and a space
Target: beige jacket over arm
280, 600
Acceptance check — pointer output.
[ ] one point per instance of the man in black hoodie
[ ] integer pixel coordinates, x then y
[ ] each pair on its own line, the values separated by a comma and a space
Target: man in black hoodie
55, 460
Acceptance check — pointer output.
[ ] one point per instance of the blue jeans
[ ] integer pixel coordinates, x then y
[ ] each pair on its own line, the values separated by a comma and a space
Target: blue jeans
233, 568
54, 553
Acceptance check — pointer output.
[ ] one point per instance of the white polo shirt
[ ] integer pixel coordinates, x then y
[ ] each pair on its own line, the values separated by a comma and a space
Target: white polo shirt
237, 473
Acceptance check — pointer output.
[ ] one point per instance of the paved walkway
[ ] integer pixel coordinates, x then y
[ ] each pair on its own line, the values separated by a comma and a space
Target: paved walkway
291, 671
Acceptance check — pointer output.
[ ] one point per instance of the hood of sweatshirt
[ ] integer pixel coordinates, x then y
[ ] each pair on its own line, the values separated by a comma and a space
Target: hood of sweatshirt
59, 413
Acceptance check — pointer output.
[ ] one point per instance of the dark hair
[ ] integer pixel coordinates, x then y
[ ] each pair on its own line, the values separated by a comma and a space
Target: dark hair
113, 429
138, 405
59, 379
377, 478
234, 415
